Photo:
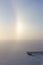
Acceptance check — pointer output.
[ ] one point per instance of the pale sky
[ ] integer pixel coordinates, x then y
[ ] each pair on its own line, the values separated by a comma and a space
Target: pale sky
21, 19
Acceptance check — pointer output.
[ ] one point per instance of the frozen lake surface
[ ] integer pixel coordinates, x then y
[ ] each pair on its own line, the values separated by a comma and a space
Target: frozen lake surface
15, 53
